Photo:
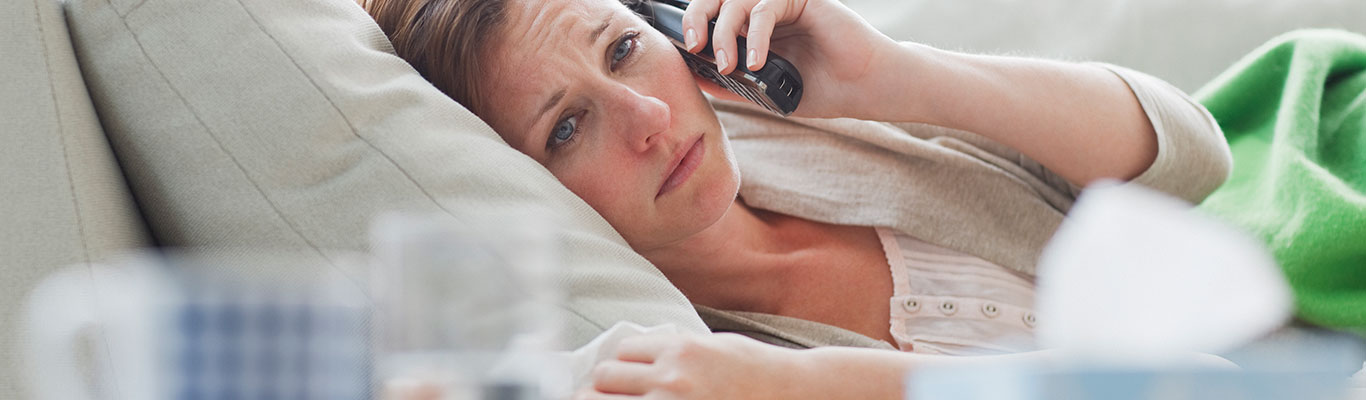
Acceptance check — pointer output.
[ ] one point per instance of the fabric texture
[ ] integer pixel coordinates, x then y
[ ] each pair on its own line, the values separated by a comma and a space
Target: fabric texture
953, 189
1294, 112
62, 199
261, 124
950, 303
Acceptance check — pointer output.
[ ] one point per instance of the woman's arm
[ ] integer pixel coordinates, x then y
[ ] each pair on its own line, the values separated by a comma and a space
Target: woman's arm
1079, 120
728, 366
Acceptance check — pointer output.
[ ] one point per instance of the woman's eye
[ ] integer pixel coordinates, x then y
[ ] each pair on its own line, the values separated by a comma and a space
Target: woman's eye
624, 47
563, 132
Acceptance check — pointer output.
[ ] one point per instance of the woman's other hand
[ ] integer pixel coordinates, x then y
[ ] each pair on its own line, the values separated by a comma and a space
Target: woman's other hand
830, 45
719, 366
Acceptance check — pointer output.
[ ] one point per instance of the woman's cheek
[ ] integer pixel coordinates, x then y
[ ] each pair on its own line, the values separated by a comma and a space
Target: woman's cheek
607, 190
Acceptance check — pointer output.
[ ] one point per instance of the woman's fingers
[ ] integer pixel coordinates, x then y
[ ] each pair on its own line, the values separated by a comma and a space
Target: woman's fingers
644, 348
734, 13
763, 17
588, 393
731, 17
695, 19
753, 19
619, 377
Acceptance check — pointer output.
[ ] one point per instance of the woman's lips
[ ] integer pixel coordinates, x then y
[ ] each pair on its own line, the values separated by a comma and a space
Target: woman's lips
684, 167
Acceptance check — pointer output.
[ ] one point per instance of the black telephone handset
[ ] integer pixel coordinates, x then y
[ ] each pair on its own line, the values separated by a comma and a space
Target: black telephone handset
777, 86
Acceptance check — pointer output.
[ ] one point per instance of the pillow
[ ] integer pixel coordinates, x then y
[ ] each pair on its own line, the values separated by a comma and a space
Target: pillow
290, 123
1186, 43
62, 200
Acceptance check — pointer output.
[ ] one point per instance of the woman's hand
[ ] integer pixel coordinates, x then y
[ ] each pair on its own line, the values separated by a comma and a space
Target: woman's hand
830, 45
719, 366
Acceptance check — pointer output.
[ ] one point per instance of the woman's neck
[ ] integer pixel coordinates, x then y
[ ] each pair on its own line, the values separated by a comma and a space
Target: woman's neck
760, 261
742, 262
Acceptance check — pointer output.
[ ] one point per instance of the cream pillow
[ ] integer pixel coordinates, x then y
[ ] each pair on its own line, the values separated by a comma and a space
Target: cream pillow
62, 199
290, 123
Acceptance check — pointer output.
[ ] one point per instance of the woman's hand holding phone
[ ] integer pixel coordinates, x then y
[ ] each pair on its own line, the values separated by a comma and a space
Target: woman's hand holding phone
1081, 121
833, 47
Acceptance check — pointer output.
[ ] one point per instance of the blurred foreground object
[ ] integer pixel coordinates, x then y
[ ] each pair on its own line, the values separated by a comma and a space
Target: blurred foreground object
468, 310
194, 325
1132, 290
1119, 383
1136, 275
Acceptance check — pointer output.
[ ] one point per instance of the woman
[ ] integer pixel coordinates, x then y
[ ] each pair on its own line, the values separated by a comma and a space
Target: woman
955, 202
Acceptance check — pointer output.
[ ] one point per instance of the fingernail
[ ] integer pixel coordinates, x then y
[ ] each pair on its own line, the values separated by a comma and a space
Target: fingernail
753, 58
721, 60
691, 38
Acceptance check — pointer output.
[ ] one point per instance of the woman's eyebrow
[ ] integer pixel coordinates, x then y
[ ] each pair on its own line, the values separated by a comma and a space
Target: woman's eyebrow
550, 103
593, 36
554, 99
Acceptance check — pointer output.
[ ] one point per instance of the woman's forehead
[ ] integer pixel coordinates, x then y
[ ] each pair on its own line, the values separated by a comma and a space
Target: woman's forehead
547, 19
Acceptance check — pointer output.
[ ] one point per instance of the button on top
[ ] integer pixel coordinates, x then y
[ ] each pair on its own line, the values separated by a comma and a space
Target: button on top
948, 308
1029, 319
911, 305
990, 310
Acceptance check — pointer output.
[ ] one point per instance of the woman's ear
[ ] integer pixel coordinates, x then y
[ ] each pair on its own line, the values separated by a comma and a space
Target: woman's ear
716, 90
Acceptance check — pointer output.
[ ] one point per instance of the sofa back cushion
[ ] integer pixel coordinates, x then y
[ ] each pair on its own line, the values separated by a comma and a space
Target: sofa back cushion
62, 199
268, 123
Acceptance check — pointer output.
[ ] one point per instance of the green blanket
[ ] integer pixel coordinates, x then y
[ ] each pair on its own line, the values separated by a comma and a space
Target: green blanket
1294, 113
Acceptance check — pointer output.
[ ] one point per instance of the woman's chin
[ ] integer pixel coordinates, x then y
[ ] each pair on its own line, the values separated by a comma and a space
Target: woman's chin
678, 221
716, 197
713, 204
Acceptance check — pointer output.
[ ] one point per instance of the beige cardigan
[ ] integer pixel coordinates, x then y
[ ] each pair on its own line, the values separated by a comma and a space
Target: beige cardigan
951, 188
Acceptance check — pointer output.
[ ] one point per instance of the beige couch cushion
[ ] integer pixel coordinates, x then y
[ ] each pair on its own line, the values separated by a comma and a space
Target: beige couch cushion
290, 123
62, 199
1186, 43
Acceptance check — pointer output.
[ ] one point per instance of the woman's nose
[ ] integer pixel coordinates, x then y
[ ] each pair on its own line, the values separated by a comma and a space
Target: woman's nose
645, 118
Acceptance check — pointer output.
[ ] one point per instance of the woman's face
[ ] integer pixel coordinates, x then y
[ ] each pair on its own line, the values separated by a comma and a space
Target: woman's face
607, 105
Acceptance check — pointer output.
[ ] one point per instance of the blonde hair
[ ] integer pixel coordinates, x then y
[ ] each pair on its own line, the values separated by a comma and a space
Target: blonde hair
442, 39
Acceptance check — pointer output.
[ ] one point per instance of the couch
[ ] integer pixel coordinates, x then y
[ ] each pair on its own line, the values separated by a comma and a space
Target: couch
253, 125
242, 125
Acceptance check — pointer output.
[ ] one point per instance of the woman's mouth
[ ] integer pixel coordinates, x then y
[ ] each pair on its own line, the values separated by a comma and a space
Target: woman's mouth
683, 167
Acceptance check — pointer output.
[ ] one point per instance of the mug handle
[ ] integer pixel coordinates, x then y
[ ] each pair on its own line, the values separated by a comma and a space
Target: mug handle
56, 313
111, 303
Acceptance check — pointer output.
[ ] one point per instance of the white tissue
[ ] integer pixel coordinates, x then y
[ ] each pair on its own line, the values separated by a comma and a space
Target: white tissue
1136, 276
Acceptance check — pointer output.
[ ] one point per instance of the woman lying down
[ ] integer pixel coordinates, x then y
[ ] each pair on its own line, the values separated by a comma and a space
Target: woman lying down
921, 230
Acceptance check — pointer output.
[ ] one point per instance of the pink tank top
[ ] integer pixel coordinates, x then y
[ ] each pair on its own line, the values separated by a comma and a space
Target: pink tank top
946, 302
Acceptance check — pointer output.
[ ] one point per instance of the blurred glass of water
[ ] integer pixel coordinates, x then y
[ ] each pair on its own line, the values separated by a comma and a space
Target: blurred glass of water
465, 308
